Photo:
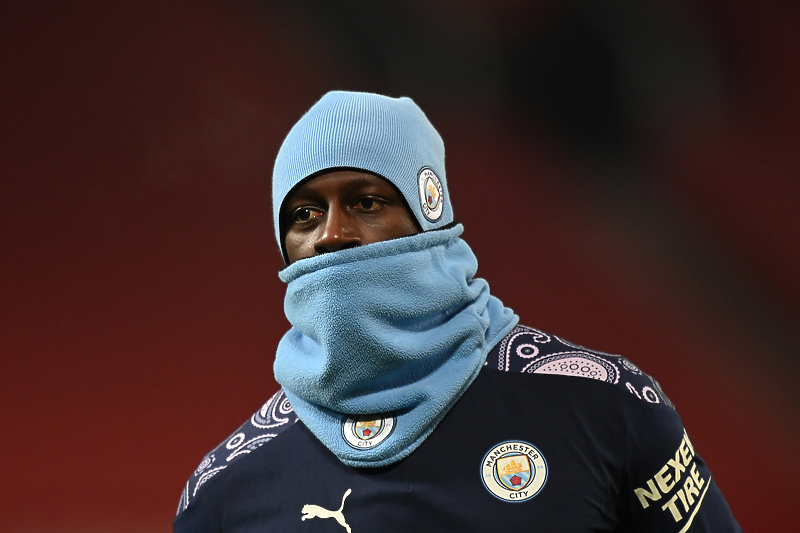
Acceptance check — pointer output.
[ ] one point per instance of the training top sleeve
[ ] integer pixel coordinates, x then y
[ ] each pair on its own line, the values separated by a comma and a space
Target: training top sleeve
195, 518
668, 487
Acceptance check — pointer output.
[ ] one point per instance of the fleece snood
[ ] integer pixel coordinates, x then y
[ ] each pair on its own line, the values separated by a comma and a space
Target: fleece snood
397, 329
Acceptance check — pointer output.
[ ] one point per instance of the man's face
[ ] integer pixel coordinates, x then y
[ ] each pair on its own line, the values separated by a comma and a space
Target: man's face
343, 209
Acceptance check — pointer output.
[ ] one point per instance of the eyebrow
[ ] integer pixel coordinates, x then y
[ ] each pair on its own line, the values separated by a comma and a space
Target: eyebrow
357, 182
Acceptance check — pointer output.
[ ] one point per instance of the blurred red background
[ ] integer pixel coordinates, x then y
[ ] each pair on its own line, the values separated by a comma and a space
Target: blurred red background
627, 176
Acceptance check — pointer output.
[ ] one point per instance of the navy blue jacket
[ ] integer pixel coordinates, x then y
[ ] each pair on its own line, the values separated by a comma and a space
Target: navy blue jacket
550, 437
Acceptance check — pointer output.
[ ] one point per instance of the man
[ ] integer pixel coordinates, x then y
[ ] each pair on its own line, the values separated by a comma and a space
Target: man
411, 399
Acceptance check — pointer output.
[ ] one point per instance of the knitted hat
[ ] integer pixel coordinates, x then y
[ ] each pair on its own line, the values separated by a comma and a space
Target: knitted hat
390, 137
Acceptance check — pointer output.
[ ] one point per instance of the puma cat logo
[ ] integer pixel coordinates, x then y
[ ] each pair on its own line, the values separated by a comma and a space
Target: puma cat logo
315, 511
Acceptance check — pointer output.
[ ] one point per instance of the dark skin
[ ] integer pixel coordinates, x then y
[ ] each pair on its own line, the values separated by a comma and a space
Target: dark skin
343, 209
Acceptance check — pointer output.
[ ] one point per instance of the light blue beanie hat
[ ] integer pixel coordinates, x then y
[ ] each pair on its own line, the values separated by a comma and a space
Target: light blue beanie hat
390, 137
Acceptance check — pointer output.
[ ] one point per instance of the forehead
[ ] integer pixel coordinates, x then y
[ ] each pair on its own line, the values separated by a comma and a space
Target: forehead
337, 183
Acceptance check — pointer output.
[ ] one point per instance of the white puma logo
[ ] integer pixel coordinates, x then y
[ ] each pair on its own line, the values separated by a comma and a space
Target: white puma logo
315, 511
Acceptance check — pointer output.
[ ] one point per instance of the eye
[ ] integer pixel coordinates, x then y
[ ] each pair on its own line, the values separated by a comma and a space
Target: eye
368, 204
304, 214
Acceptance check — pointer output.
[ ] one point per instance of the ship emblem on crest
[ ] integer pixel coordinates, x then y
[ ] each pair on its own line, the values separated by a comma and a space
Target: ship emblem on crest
367, 431
514, 471
432, 196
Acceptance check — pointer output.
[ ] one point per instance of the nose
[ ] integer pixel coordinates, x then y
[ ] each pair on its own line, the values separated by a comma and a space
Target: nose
338, 231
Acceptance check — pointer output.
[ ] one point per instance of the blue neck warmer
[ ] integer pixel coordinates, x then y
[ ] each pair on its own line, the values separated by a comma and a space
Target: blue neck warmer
397, 330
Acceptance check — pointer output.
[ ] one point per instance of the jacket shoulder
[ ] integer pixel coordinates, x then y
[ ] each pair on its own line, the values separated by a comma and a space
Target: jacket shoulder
528, 350
273, 418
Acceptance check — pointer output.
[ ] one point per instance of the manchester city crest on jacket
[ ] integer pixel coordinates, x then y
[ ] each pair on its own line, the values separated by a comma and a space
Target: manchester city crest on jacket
514, 471
367, 431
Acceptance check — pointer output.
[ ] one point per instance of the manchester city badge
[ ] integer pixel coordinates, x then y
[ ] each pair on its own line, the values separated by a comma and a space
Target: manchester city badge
367, 431
514, 471
431, 194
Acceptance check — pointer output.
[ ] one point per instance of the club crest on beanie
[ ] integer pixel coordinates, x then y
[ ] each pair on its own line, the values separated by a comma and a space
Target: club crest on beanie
390, 137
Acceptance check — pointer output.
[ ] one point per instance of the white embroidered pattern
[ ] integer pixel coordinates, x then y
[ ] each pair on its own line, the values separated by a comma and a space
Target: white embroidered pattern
529, 350
525, 349
579, 364
275, 415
